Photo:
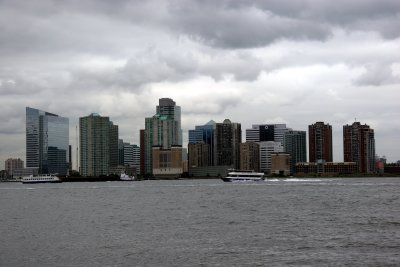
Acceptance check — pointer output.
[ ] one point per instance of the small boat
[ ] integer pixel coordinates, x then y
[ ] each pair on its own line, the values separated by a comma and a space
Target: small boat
43, 178
126, 177
238, 175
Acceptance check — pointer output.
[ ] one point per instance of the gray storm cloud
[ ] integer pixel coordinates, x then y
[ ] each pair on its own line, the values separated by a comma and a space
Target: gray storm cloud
47, 25
251, 61
377, 74
239, 24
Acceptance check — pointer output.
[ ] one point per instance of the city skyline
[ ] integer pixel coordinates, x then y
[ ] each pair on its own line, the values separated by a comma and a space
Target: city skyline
257, 131
251, 62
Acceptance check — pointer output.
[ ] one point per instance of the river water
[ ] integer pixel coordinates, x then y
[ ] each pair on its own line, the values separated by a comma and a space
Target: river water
294, 222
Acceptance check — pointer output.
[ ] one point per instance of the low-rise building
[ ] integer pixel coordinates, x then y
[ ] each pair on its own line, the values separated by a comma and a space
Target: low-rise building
326, 168
210, 171
167, 162
19, 173
13, 164
280, 164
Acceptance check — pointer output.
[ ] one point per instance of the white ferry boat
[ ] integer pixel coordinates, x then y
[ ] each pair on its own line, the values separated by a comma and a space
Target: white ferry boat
236, 175
126, 177
43, 178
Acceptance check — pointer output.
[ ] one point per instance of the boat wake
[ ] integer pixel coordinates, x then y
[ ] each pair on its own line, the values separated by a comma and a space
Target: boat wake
308, 180
305, 180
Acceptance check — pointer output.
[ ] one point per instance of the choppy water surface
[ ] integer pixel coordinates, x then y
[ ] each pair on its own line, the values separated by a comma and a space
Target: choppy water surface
295, 222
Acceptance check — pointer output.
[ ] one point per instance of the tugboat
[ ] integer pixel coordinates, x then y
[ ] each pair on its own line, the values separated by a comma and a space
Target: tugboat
126, 177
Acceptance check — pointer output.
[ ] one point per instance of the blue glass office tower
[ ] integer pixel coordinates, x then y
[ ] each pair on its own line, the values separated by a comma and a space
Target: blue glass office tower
47, 142
205, 134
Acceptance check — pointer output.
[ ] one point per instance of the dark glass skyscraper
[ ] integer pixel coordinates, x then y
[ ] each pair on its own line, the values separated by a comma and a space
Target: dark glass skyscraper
296, 146
47, 141
227, 139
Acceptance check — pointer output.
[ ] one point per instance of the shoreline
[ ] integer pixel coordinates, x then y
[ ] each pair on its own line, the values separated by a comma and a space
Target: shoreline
113, 179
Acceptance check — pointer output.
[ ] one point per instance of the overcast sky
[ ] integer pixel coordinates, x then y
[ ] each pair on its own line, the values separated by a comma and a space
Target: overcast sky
276, 61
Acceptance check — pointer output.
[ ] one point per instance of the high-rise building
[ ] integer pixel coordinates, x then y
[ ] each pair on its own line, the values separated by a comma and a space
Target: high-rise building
163, 135
148, 147
271, 138
296, 146
132, 156
98, 145
142, 151
114, 153
168, 107
204, 134
227, 139
47, 141
266, 150
121, 152
266, 132
250, 156
70, 157
136, 158
320, 142
13, 164
359, 146
198, 155
195, 136
128, 155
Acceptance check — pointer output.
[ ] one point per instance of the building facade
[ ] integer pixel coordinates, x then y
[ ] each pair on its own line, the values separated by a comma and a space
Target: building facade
121, 152
13, 164
168, 107
204, 134
250, 156
267, 132
96, 133
131, 156
19, 173
128, 155
280, 164
114, 142
136, 158
359, 146
163, 136
295, 145
47, 142
227, 139
326, 168
266, 150
198, 155
142, 151
167, 162
320, 142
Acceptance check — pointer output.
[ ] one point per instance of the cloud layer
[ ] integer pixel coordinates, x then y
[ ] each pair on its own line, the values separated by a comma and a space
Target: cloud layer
250, 61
